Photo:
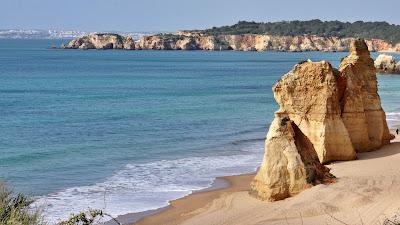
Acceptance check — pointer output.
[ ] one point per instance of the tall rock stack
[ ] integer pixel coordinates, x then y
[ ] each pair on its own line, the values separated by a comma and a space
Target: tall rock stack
325, 115
362, 112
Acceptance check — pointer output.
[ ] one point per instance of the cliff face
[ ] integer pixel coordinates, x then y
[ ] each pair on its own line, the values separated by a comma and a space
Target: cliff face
246, 42
251, 42
325, 115
102, 41
178, 42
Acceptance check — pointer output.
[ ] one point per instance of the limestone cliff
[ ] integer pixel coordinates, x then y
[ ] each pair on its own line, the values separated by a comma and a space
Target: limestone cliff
324, 115
244, 42
102, 41
387, 64
179, 42
253, 42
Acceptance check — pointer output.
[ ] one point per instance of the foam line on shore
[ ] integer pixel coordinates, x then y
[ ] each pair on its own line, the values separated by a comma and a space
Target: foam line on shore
149, 186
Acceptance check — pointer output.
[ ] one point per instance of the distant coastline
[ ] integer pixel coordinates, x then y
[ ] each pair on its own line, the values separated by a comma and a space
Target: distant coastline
245, 42
292, 36
33, 34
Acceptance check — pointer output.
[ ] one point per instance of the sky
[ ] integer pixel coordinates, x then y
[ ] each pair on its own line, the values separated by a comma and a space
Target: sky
172, 15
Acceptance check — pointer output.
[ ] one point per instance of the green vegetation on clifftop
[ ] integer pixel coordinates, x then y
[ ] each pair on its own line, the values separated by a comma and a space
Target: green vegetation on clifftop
358, 29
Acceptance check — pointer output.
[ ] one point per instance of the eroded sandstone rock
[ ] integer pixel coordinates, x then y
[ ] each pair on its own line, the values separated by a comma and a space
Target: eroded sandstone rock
387, 64
309, 94
290, 165
362, 112
324, 115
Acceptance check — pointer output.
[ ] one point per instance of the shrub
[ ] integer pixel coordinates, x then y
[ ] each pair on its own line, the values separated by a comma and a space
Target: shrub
15, 209
90, 217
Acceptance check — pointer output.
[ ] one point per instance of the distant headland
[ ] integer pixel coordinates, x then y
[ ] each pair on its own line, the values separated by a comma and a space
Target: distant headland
292, 36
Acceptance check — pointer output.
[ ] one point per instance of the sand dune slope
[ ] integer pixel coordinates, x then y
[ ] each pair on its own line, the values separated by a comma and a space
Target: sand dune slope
367, 192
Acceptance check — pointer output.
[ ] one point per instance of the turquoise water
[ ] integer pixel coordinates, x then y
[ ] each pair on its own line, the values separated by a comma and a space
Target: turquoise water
135, 129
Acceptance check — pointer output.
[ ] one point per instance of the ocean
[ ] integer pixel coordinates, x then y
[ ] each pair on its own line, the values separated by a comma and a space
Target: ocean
127, 131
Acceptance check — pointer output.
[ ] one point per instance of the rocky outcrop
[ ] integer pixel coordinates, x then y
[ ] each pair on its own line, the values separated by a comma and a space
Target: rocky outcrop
290, 165
245, 42
179, 42
324, 115
362, 112
102, 41
387, 64
310, 96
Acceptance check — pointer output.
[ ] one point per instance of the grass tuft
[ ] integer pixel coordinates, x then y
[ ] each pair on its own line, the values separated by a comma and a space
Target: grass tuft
15, 208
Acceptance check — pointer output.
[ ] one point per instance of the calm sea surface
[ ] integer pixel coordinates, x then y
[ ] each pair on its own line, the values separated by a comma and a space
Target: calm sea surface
129, 130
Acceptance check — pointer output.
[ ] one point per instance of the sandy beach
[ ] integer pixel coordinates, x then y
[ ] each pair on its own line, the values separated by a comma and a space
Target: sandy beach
367, 191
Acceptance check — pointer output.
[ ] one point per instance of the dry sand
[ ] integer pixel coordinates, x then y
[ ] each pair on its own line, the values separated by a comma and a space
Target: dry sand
366, 192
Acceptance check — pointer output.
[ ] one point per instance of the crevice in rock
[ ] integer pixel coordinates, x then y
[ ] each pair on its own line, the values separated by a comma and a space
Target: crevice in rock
316, 172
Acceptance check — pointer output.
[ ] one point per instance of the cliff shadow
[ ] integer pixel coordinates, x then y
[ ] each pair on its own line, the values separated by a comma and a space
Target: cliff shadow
385, 151
316, 172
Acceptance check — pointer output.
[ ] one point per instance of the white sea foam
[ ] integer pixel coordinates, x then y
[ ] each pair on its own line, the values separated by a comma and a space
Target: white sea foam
393, 119
140, 187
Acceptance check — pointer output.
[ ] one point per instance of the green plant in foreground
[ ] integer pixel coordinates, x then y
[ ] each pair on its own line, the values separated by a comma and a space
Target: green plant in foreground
87, 218
15, 210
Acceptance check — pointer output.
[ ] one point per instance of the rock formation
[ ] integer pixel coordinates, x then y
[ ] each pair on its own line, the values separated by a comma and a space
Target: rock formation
254, 42
290, 164
244, 42
179, 42
310, 96
387, 64
362, 112
102, 41
324, 115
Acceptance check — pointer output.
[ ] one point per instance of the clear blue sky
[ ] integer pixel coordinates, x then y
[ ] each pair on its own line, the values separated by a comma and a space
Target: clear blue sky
171, 15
